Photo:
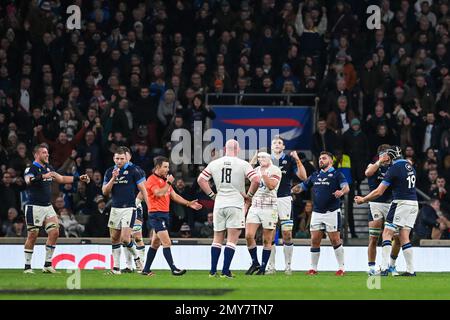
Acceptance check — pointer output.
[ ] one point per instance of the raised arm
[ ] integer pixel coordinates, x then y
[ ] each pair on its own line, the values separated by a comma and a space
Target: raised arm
109, 183
301, 171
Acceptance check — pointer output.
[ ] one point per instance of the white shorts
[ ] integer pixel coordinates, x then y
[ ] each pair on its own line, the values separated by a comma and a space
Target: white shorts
284, 208
122, 218
268, 217
378, 210
36, 215
329, 222
402, 214
230, 217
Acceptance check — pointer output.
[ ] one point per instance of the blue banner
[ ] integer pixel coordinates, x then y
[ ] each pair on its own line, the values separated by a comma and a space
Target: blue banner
293, 123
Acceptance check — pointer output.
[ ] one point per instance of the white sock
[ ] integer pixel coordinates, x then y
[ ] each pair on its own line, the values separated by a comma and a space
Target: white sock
28, 256
141, 253
116, 255
386, 252
288, 251
315, 255
49, 252
132, 249
392, 261
408, 254
271, 264
339, 252
128, 258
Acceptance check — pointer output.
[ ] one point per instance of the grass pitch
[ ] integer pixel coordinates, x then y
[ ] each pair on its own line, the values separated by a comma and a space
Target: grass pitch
196, 285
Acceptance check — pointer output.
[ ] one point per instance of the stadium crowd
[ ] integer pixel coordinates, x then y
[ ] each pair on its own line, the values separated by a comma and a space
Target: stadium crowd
138, 70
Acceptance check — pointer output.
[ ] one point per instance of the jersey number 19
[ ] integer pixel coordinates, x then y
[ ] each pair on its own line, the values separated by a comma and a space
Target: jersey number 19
411, 181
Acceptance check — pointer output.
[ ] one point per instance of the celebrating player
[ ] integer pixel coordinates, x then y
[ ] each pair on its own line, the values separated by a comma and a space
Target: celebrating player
121, 181
328, 187
39, 211
160, 192
290, 166
403, 211
229, 174
378, 209
137, 227
263, 212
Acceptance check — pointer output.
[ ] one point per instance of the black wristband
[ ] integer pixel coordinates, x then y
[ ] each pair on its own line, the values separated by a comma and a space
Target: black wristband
36, 178
76, 179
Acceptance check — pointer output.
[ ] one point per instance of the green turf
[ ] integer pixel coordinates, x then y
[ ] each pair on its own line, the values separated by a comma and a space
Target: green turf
197, 285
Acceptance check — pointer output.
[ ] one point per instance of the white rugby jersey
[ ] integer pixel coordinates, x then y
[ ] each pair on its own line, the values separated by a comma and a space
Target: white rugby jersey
265, 198
229, 174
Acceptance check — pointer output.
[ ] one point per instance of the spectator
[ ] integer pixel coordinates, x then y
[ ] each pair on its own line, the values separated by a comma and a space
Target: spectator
207, 229
72, 228
340, 118
97, 225
10, 188
17, 229
7, 223
185, 231
324, 139
431, 222
304, 221
61, 148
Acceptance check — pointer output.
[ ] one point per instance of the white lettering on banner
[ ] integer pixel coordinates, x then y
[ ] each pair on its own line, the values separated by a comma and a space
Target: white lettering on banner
198, 258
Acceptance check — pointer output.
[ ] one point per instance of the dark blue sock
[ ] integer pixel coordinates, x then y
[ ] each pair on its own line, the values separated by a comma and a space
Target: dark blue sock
265, 258
253, 253
150, 257
228, 256
215, 254
168, 255
371, 264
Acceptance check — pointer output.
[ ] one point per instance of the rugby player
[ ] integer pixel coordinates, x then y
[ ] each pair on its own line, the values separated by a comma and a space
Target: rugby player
328, 187
121, 181
378, 210
290, 166
229, 174
39, 210
160, 192
401, 176
263, 211
137, 228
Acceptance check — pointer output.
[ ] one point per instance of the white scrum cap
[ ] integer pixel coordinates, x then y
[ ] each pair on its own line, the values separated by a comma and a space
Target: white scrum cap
263, 155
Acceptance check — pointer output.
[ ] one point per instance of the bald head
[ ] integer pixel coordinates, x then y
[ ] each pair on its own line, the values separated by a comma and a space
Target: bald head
231, 148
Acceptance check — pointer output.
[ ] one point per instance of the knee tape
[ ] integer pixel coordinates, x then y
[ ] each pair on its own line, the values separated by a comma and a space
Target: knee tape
287, 225
374, 232
51, 226
33, 229
137, 228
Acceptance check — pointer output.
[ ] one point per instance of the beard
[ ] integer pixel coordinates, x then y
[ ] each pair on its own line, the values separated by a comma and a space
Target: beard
323, 166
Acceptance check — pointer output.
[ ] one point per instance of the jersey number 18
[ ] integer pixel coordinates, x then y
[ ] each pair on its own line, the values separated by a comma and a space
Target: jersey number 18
226, 175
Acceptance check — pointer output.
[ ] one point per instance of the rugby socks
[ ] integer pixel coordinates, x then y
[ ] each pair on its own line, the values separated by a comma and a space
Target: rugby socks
151, 253
128, 257
228, 256
141, 252
392, 260
288, 249
168, 255
315, 255
132, 249
339, 252
28, 256
216, 248
49, 249
116, 255
265, 258
385, 252
254, 255
273, 252
408, 254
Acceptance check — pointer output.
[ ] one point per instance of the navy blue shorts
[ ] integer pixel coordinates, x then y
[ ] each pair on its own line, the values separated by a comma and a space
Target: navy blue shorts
159, 221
